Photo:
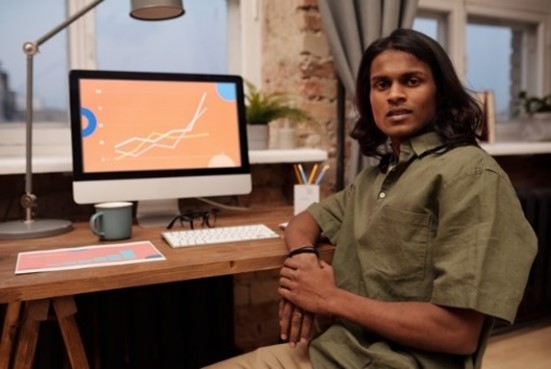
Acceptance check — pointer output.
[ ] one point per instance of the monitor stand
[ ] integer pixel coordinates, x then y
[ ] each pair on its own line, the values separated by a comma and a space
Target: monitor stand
156, 213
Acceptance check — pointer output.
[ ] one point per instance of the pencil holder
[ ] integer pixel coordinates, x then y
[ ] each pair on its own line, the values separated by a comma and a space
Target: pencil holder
304, 196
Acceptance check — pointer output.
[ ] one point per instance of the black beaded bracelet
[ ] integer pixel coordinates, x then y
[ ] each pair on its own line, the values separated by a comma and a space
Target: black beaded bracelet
303, 250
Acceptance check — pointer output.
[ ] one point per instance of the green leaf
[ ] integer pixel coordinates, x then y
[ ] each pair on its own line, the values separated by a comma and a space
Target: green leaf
534, 104
262, 108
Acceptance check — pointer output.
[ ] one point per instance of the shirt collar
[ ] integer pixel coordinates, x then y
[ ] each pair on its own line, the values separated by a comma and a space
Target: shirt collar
420, 145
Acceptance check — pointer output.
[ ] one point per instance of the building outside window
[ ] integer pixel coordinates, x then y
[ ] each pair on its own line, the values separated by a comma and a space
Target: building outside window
22, 21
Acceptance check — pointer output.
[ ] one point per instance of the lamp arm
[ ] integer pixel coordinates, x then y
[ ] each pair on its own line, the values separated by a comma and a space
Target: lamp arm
28, 200
67, 22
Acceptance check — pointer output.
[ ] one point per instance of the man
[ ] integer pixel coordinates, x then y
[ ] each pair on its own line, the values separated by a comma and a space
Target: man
431, 245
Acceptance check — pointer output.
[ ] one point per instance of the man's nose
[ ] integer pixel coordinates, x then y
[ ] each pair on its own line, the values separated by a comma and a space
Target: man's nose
396, 93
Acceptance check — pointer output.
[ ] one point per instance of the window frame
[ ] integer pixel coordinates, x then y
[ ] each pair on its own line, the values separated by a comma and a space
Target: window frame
456, 15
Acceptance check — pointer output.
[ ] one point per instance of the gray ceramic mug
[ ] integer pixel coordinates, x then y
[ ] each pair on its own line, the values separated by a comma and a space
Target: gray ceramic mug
112, 220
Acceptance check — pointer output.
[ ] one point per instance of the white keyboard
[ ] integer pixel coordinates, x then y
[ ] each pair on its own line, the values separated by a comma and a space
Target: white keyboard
208, 236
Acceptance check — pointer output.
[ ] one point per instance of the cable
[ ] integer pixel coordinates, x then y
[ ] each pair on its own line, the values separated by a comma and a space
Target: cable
223, 206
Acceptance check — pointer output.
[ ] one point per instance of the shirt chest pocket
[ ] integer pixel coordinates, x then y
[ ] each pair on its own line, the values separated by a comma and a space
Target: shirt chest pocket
397, 244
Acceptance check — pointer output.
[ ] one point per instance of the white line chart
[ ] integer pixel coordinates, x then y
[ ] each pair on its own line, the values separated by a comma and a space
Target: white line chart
141, 145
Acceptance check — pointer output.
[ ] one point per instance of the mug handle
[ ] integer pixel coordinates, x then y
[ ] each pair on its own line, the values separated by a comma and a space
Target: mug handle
94, 224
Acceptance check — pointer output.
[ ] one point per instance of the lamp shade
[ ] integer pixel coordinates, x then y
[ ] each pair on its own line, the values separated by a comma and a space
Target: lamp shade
156, 9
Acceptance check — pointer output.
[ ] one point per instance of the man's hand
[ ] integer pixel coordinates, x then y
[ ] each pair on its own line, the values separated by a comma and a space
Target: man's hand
307, 285
295, 324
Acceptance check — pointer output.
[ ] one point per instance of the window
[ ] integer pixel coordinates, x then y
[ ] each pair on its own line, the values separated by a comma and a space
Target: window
502, 72
494, 45
194, 43
122, 43
428, 25
23, 21
207, 39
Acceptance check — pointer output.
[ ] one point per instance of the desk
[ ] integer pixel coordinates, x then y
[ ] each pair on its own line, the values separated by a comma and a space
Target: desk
40, 290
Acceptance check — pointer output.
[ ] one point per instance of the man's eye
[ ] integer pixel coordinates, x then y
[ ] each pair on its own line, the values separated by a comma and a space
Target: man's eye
380, 85
413, 81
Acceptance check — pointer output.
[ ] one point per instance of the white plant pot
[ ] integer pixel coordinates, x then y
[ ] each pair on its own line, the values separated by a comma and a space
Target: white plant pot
257, 136
543, 116
286, 138
538, 128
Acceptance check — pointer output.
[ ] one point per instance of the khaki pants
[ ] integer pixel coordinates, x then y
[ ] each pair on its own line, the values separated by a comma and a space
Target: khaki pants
269, 357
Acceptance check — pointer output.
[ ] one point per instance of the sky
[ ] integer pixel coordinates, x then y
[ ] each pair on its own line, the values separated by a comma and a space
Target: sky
27, 20
483, 72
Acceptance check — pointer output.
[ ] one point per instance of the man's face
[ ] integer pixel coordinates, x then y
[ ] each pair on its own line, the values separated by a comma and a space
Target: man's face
402, 94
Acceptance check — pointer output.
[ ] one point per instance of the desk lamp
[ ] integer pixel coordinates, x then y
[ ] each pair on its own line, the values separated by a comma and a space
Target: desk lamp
33, 228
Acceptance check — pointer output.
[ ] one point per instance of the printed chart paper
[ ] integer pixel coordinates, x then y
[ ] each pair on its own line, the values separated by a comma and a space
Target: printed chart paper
87, 257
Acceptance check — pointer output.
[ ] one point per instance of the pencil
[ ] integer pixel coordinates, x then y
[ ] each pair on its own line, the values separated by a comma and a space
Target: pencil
302, 174
297, 174
322, 174
312, 174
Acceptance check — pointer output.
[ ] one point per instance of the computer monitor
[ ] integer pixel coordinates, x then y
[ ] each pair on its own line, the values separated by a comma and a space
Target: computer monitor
157, 136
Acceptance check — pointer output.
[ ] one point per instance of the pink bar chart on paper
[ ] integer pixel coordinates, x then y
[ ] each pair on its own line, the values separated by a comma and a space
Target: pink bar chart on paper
87, 257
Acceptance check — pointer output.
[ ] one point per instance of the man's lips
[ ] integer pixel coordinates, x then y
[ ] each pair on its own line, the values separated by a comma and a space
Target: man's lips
398, 112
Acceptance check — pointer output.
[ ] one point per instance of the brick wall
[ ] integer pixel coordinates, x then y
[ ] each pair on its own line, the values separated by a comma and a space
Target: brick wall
256, 309
295, 61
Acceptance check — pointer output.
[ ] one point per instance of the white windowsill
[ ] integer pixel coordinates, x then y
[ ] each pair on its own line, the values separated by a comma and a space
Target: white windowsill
12, 159
520, 137
286, 156
52, 149
517, 148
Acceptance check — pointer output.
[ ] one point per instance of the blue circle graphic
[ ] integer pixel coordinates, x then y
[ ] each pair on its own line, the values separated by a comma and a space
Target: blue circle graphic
92, 122
226, 91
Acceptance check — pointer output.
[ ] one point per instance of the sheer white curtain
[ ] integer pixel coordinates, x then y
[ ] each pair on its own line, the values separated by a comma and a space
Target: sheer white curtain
350, 26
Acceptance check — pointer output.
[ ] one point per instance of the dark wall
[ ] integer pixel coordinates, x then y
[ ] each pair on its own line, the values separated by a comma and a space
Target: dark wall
528, 171
271, 186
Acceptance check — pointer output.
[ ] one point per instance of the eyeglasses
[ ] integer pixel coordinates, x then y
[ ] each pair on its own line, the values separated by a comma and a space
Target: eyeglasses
196, 219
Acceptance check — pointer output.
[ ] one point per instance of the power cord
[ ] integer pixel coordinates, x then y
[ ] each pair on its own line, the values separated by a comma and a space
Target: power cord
223, 206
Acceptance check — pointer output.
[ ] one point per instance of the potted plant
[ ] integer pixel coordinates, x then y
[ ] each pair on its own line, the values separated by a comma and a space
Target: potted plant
535, 106
263, 108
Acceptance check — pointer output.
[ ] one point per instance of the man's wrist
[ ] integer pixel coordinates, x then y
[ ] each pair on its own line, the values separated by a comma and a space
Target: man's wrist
303, 250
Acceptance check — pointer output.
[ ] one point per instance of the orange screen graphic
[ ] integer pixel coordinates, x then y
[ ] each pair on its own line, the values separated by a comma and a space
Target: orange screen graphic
158, 125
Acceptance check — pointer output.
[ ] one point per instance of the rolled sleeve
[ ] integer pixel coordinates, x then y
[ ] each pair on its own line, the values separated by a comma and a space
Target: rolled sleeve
329, 213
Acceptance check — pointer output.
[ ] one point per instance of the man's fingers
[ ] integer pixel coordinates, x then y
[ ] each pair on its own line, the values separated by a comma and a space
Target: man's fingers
296, 326
285, 318
307, 322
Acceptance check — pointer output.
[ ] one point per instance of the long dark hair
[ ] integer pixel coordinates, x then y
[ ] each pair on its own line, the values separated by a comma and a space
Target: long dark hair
458, 116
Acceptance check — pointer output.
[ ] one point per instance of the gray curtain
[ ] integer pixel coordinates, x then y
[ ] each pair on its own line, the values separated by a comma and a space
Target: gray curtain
350, 26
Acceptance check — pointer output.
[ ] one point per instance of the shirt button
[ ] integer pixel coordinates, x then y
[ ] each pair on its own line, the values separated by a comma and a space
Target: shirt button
382, 195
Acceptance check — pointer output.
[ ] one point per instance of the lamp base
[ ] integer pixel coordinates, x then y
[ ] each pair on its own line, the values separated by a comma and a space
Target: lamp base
33, 229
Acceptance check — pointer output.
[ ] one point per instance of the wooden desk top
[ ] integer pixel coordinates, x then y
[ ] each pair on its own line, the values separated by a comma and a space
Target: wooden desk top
180, 264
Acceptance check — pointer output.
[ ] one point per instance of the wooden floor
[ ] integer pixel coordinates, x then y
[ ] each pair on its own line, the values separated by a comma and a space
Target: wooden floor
525, 348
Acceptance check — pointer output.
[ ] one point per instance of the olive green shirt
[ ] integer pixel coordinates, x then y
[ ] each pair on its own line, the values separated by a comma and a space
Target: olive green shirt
444, 227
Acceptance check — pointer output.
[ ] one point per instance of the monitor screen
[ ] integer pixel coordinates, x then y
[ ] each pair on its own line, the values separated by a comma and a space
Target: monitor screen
154, 136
